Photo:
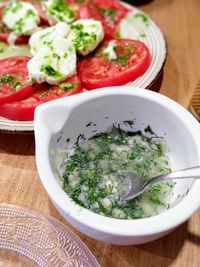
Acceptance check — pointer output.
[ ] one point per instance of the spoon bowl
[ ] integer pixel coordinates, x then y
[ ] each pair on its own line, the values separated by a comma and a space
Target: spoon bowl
134, 185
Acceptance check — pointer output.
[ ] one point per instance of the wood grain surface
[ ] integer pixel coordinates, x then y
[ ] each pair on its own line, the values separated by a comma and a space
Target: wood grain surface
20, 184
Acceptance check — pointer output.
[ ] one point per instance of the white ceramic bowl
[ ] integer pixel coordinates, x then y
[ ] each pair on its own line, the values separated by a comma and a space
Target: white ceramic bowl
65, 118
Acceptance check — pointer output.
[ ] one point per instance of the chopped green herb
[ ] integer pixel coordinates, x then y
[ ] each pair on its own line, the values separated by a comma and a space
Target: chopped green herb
66, 86
50, 71
129, 123
13, 6
122, 59
44, 94
65, 55
149, 130
6, 79
108, 12
19, 25
82, 38
56, 56
44, 35
90, 172
118, 35
60, 11
49, 44
30, 13
142, 35
9, 80
89, 124
143, 18
80, 1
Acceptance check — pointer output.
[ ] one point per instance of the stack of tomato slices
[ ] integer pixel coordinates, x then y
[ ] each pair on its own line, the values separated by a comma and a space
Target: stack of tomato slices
19, 97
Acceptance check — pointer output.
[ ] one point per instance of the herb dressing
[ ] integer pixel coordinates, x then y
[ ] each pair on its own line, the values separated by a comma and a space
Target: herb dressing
90, 173
13, 50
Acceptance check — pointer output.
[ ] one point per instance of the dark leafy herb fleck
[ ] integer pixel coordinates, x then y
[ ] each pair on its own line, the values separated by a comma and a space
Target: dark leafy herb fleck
89, 124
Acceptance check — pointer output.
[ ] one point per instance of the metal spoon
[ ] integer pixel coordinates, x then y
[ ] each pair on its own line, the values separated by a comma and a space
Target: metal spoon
134, 185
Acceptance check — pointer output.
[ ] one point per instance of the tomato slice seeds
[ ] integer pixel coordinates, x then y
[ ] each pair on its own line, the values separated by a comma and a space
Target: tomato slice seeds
14, 79
96, 70
24, 110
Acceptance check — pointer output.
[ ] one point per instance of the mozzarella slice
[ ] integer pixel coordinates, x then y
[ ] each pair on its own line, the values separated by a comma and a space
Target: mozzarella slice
53, 63
58, 10
21, 17
86, 35
47, 36
109, 51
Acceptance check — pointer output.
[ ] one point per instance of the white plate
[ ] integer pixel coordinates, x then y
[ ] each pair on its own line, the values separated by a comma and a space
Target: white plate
137, 25
31, 238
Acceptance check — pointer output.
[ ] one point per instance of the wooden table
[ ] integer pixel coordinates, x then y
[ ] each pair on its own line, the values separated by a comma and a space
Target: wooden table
20, 184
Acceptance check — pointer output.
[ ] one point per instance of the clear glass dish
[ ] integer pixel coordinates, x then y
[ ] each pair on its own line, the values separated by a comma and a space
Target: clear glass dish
31, 238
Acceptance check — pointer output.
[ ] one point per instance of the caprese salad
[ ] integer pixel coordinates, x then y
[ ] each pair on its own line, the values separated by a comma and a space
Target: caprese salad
74, 44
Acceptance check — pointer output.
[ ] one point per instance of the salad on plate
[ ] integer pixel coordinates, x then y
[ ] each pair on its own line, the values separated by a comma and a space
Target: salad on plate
56, 48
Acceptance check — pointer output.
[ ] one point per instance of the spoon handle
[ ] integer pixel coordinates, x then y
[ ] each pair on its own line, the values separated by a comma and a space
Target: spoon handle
193, 172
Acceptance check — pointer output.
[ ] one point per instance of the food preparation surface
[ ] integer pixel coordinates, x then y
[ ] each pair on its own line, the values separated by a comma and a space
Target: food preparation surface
20, 184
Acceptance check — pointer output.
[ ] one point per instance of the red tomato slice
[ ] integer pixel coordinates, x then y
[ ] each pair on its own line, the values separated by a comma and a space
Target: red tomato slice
24, 110
109, 12
14, 78
133, 58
